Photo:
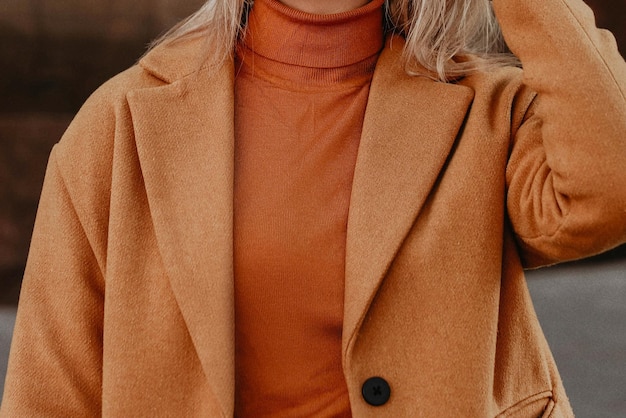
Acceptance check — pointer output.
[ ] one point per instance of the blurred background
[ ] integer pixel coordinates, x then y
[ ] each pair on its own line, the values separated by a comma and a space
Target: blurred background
54, 53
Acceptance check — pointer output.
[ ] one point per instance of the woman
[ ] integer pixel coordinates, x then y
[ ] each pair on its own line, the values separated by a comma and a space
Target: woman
324, 208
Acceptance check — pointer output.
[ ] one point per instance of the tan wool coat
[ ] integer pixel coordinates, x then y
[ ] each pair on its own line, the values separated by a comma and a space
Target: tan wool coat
127, 302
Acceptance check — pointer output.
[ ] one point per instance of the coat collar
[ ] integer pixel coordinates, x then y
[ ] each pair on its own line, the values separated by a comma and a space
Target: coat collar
185, 141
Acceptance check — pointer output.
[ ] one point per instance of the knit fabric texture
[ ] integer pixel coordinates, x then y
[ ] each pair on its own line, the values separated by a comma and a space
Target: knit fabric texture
302, 83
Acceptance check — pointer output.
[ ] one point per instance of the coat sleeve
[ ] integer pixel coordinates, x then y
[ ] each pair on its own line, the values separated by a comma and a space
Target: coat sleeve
55, 365
566, 175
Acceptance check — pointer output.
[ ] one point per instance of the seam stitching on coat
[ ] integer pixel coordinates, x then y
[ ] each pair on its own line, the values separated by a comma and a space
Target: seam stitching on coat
78, 218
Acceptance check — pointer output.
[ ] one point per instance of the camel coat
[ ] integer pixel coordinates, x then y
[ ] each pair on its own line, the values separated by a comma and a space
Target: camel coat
127, 303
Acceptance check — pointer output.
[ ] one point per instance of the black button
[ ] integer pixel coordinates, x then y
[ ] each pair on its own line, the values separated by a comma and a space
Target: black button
376, 391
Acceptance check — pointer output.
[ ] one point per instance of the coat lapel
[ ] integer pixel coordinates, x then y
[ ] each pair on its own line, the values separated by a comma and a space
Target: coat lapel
186, 154
410, 126
184, 136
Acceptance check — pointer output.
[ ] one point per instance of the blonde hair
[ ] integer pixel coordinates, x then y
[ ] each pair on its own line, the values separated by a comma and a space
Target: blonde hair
449, 38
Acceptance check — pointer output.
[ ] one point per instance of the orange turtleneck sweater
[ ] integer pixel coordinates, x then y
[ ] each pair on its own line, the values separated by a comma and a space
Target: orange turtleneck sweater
301, 89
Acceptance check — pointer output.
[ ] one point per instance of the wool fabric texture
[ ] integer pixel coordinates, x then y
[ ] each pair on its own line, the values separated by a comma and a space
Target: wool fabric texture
128, 305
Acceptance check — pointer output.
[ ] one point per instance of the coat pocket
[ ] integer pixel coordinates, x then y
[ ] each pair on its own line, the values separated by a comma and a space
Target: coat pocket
540, 405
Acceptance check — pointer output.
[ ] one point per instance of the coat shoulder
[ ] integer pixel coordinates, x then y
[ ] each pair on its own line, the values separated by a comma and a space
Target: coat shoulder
496, 81
90, 136
501, 96
95, 123
83, 158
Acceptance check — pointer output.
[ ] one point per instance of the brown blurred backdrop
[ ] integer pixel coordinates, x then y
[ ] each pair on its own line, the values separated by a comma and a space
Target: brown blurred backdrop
53, 54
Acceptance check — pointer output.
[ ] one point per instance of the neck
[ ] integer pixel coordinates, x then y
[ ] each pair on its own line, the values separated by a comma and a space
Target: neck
324, 7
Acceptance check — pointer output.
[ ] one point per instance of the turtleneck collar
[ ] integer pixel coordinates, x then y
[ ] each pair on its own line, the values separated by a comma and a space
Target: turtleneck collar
286, 36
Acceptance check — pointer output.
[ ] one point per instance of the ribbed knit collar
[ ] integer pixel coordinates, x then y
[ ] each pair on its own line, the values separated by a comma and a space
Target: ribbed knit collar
286, 38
